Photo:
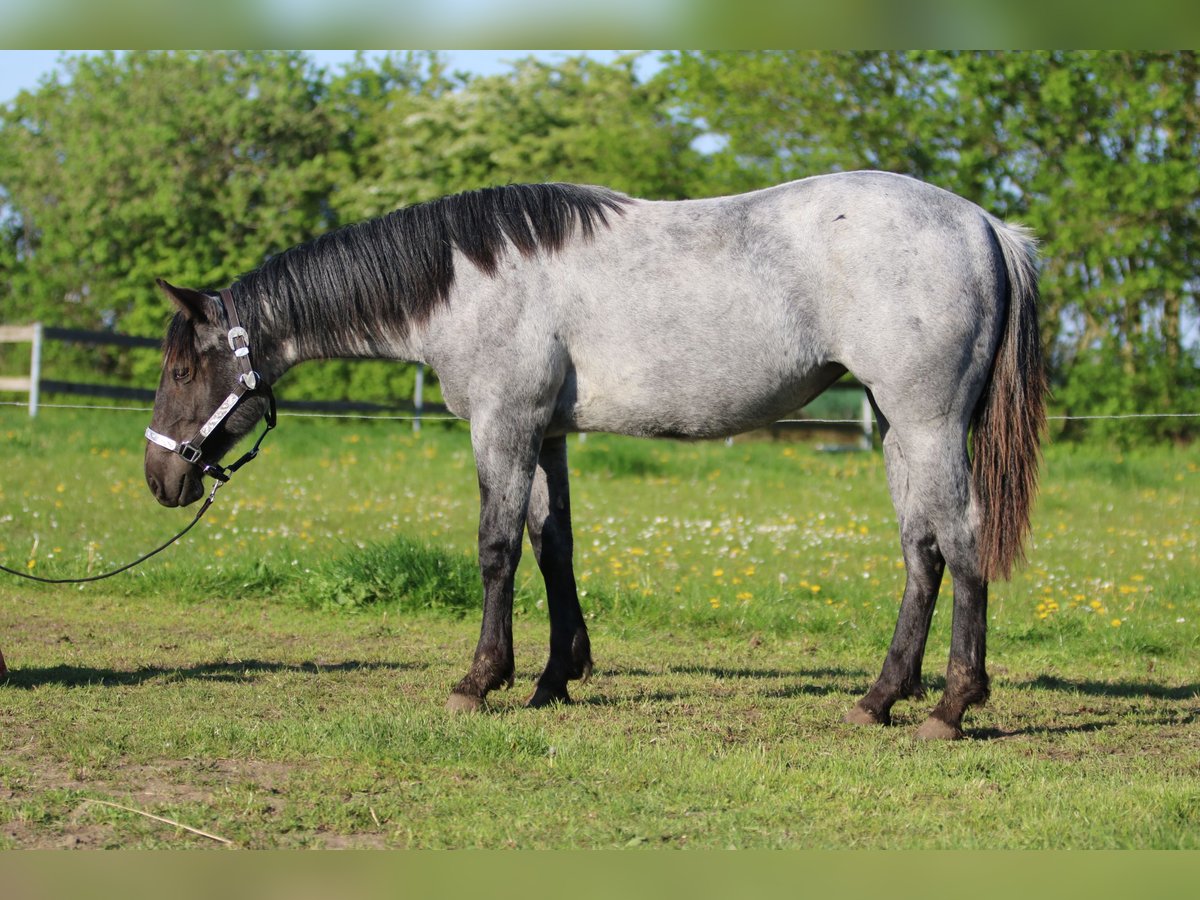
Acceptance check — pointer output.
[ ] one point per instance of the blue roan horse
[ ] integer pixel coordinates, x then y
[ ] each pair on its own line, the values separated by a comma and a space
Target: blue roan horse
549, 309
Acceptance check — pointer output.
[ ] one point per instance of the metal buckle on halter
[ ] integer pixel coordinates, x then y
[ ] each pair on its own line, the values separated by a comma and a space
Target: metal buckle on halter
239, 332
188, 452
249, 379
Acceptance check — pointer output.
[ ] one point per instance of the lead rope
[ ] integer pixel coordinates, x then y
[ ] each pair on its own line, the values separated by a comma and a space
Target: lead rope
217, 484
220, 477
141, 559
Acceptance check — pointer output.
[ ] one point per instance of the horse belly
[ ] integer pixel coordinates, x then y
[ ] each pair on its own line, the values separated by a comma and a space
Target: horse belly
691, 397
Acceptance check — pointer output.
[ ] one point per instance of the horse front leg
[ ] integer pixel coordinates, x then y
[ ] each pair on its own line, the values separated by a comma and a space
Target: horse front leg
505, 456
549, 524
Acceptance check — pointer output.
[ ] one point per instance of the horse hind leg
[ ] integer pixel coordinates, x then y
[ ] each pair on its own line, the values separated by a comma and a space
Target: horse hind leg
924, 565
967, 682
939, 523
549, 523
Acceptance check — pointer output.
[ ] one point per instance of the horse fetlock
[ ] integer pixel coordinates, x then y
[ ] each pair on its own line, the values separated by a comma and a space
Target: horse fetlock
484, 676
966, 686
945, 722
876, 707
583, 671
581, 657
492, 670
548, 694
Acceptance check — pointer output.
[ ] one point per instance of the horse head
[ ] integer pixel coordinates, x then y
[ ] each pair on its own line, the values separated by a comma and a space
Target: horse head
208, 397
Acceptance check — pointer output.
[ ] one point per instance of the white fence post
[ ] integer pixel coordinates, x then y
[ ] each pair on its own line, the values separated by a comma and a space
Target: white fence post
35, 369
418, 398
868, 423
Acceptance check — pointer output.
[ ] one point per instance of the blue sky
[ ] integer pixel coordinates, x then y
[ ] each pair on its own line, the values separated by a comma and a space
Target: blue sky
23, 69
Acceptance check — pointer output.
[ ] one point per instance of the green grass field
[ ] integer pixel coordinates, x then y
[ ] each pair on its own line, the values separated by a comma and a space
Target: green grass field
278, 679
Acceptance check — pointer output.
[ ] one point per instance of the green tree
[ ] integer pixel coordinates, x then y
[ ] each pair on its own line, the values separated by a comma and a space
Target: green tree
777, 115
189, 166
578, 120
1097, 152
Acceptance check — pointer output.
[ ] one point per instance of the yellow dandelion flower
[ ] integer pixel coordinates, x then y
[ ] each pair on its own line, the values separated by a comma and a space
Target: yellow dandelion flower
1115, 623
717, 573
714, 602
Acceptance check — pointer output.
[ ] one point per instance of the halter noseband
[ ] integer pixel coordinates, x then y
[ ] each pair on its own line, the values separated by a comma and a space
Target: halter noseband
248, 382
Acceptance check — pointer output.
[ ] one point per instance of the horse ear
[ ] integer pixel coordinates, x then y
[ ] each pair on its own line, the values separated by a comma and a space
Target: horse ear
193, 304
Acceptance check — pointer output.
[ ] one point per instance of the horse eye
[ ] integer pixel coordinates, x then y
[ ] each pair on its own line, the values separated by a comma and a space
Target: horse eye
179, 373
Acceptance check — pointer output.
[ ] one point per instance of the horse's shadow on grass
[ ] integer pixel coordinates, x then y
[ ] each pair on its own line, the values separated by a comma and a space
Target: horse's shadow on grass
796, 683
779, 683
740, 673
1120, 689
241, 670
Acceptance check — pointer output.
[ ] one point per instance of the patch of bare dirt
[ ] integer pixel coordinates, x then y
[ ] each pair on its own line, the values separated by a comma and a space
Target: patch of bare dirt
69, 837
146, 787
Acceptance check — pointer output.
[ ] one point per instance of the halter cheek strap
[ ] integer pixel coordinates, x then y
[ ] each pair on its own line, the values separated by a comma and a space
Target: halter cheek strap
248, 381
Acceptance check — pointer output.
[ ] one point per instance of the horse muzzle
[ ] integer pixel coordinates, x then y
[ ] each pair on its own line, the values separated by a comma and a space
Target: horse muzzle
173, 481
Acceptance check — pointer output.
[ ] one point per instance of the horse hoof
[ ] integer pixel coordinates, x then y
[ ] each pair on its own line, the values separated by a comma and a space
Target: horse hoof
860, 716
543, 697
934, 729
462, 703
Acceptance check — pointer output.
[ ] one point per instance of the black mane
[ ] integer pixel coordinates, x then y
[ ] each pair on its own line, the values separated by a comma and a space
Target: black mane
397, 268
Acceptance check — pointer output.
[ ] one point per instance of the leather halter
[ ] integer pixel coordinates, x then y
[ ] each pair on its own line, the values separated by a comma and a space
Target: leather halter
248, 382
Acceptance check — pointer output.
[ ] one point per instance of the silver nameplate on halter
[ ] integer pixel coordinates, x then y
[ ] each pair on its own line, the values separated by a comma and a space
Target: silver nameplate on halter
161, 440
219, 416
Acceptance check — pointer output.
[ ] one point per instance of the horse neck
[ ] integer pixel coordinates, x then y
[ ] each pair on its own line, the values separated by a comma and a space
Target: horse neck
284, 334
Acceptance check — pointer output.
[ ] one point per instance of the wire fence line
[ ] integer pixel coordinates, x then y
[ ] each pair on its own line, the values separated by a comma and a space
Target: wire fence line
424, 417
299, 414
